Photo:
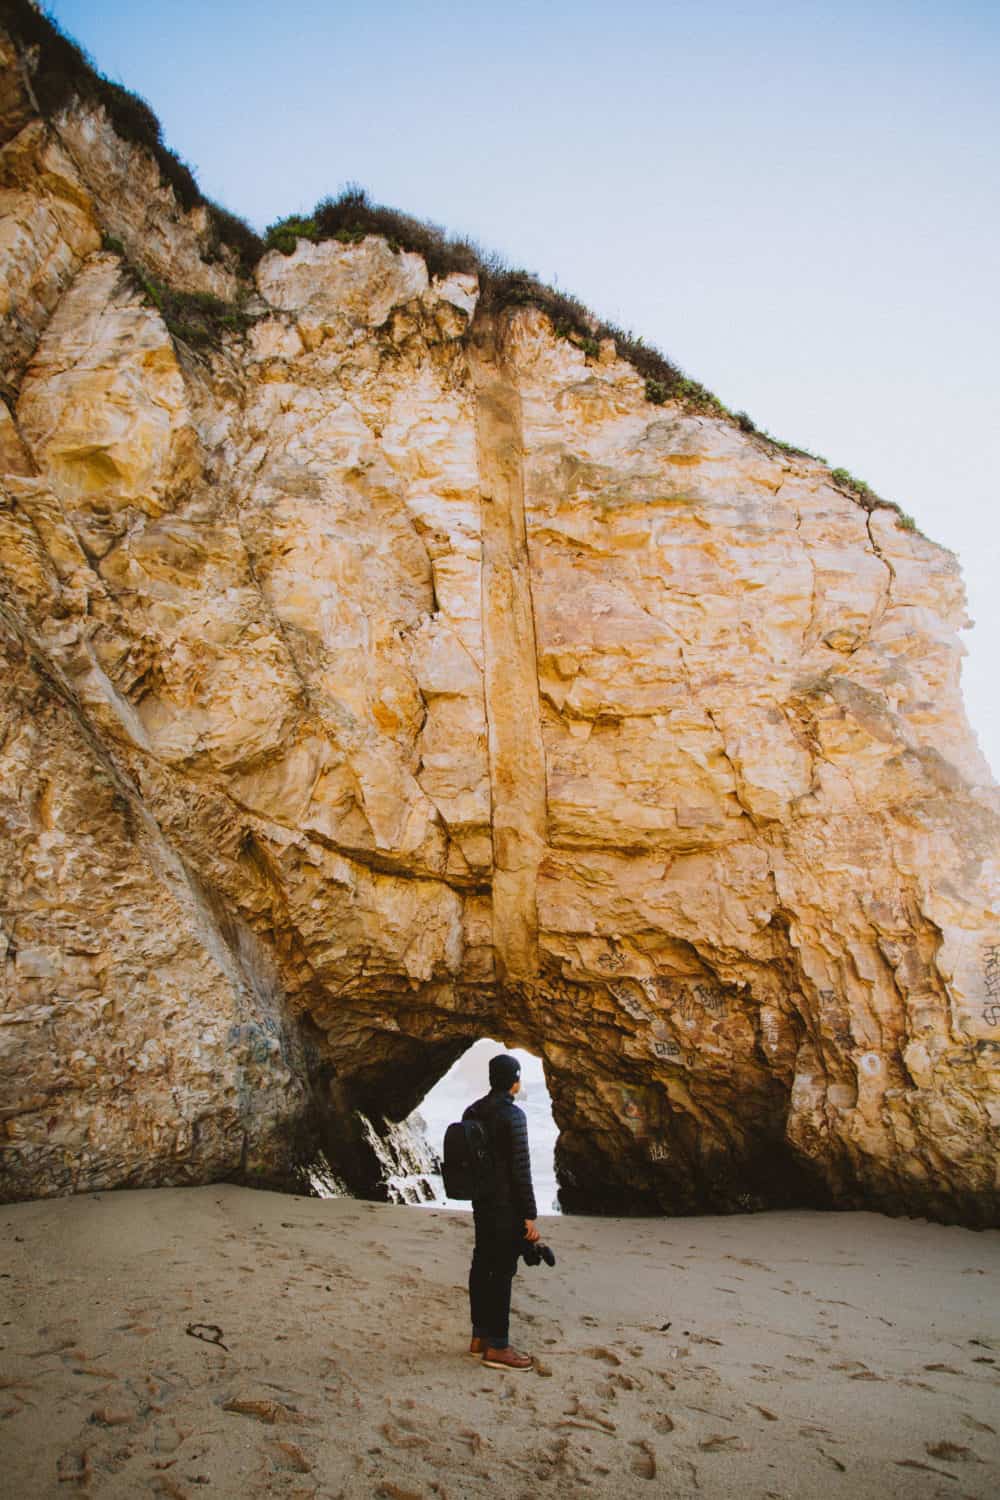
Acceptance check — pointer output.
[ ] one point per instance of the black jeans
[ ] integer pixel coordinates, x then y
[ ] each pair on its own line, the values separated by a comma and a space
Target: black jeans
494, 1263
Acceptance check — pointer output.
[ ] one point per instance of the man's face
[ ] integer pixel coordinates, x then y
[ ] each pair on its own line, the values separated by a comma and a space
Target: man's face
515, 1087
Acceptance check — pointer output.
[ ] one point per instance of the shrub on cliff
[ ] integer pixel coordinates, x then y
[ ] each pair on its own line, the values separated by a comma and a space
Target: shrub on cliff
858, 488
284, 234
197, 318
351, 216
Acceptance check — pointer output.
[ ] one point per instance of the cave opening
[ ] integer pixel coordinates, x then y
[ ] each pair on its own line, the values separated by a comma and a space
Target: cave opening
467, 1079
385, 1122
685, 1139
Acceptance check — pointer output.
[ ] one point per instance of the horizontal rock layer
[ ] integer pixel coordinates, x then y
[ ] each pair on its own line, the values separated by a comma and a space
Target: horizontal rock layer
395, 674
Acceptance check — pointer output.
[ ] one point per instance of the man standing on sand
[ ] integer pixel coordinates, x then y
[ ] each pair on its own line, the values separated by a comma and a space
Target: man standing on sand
504, 1217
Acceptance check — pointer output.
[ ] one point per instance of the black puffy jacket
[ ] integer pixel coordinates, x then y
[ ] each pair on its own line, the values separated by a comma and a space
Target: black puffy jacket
508, 1130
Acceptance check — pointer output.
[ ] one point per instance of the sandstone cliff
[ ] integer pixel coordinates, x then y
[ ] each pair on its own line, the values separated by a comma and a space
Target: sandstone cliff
392, 673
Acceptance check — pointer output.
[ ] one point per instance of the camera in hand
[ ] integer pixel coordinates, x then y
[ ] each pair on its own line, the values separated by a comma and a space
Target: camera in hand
534, 1252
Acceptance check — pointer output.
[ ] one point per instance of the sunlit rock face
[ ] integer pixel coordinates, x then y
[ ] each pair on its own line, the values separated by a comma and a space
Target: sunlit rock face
395, 674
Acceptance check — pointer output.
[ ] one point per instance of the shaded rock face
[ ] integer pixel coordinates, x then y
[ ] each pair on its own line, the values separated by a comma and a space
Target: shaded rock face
394, 675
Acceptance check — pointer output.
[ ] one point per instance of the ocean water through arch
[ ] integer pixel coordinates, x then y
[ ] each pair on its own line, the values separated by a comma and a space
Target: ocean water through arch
466, 1080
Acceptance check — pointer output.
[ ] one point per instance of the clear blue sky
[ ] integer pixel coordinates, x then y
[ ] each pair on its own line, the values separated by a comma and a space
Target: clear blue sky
798, 202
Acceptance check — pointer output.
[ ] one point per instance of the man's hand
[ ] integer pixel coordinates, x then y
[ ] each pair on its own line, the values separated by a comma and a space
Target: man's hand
531, 1234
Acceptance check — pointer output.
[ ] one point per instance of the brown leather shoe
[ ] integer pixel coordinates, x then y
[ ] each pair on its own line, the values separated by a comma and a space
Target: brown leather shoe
477, 1346
507, 1359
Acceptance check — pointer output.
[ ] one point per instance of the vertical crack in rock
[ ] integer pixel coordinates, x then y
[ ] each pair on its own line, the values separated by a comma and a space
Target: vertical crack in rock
516, 755
885, 603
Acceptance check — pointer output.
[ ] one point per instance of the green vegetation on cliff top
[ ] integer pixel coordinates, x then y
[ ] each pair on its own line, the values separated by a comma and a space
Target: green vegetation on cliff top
60, 72
351, 216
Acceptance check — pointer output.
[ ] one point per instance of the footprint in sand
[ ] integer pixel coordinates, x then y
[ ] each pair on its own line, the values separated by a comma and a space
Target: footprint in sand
833, 1462
643, 1464
951, 1452
719, 1442
75, 1468
915, 1463
976, 1425
289, 1457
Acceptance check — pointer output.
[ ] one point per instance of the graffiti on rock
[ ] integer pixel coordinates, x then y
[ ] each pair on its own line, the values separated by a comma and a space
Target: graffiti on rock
262, 1041
629, 1001
696, 999
991, 979
834, 1009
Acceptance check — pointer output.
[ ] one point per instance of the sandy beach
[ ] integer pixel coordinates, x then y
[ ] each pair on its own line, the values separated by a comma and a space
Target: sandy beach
222, 1341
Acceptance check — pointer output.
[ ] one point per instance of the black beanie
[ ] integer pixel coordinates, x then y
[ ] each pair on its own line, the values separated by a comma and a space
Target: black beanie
504, 1071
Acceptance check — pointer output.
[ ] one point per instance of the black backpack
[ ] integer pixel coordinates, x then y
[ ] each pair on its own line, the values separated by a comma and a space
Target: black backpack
468, 1163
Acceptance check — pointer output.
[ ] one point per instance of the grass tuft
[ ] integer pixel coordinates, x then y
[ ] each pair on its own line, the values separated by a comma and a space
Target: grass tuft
285, 234
863, 491
351, 216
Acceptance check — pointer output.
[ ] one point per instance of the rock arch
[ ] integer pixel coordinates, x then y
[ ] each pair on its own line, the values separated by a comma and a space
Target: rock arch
398, 670
623, 1145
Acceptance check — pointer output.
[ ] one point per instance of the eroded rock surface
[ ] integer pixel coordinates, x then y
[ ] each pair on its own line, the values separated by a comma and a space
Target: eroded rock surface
396, 674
